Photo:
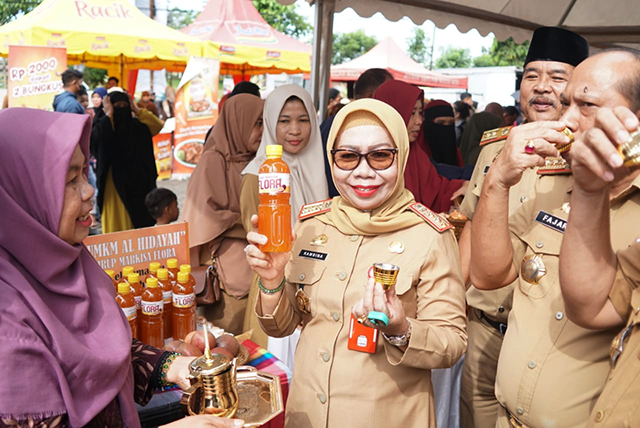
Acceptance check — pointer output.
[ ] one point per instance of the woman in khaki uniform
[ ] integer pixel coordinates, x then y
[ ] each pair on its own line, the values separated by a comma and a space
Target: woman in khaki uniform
323, 282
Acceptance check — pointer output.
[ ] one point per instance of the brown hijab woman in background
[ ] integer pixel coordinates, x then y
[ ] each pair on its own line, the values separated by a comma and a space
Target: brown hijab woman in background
212, 206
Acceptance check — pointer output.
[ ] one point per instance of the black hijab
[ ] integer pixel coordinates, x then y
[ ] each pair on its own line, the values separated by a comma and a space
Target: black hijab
441, 138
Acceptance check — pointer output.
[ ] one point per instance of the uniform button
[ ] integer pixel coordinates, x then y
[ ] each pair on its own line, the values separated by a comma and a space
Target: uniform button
354, 238
532, 364
523, 198
322, 398
302, 276
520, 411
501, 309
335, 316
342, 276
559, 315
599, 416
325, 357
539, 244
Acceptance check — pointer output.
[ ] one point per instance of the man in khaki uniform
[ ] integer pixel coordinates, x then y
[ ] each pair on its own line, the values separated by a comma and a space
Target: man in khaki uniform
600, 286
550, 370
546, 72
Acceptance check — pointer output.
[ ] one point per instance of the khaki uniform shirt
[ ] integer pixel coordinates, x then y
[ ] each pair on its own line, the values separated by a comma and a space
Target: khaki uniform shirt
333, 386
619, 403
551, 371
495, 303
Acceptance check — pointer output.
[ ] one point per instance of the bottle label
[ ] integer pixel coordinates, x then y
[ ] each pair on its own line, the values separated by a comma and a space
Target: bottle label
166, 297
274, 183
151, 308
130, 312
184, 300
138, 302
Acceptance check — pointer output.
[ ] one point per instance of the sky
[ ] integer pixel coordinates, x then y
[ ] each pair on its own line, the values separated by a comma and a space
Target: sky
378, 26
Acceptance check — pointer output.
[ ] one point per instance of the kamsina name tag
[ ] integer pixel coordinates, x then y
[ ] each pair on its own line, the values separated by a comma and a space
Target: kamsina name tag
313, 255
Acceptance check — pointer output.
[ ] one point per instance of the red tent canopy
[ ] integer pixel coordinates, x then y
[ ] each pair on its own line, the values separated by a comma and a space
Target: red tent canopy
243, 41
388, 55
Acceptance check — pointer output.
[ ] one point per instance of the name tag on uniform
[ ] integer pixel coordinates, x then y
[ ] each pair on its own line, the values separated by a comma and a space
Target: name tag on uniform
313, 255
556, 223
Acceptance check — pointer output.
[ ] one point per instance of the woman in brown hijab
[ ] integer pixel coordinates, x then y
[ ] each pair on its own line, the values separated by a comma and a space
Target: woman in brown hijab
212, 206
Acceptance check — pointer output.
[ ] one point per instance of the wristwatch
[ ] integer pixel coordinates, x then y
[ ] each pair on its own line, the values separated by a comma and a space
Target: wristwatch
402, 340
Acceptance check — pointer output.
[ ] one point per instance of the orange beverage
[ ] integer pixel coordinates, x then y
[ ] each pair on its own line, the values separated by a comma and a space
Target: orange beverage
274, 211
172, 267
153, 271
167, 295
125, 274
127, 302
136, 289
112, 275
187, 269
184, 307
151, 322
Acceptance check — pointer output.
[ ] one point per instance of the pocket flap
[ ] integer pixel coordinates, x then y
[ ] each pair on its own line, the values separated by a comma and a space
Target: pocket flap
304, 272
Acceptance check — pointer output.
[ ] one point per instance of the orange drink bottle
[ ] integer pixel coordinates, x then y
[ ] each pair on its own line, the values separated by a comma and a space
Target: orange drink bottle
136, 289
184, 307
125, 274
127, 302
274, 211
167, 295
187, 269
151, 321
153, 271
112, 275
172, 267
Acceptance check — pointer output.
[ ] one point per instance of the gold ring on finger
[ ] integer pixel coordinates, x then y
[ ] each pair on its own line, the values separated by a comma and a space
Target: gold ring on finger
529, 148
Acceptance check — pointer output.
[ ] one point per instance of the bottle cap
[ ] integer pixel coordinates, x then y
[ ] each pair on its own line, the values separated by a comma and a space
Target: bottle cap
126, 271
163, 274
152, 282
154, 266
185, 268
133, 277
172, 263
123, 288
111, 273
274, 150
183, 277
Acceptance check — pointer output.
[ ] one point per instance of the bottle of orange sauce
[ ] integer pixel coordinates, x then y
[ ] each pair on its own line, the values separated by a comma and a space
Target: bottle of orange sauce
112, 275
153, 271
125, 274
274, 211
167, 294
172, 267
184, 307
152, 332
127, 302
136, 289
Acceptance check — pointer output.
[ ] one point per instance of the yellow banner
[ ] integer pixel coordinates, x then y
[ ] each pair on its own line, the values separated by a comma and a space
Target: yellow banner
162, 149
34, 75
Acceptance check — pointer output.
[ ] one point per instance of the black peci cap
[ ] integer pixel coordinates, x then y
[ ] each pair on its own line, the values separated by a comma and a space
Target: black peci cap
557, 44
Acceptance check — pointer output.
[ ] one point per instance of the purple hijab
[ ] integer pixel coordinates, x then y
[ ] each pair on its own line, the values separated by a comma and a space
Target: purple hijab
65, 346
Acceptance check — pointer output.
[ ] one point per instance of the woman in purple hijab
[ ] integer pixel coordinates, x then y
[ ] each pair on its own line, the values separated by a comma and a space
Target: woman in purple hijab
68, 359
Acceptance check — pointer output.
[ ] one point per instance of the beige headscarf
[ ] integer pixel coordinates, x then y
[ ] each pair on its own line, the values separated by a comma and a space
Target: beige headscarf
212, 203
393, 214
308, 179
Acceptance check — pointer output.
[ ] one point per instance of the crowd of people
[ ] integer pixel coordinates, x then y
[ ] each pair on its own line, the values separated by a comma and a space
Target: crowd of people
532, 310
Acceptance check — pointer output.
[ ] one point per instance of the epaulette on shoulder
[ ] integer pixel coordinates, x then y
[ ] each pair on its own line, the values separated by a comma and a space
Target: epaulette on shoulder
434, 220
493, 135
554, 166
311, 210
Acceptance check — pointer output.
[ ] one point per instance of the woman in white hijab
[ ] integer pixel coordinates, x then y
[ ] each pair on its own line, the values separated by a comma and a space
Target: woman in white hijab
291, 121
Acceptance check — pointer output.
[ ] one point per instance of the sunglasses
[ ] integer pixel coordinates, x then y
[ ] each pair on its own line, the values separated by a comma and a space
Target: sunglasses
348, 160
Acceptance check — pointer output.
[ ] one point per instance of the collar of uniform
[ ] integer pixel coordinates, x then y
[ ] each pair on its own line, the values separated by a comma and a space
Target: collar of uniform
629, 190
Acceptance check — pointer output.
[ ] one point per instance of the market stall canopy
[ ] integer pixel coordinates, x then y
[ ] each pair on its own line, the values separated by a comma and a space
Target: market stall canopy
604, 24
243, 41
388, 55
111, 34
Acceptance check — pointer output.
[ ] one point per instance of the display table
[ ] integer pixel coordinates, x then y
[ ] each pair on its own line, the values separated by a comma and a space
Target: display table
164, 407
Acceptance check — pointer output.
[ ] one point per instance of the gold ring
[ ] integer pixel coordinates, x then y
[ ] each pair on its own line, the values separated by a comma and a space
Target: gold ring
361, 319
529, 148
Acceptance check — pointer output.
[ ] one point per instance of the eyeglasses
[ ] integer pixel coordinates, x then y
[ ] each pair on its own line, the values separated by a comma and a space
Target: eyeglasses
348, 160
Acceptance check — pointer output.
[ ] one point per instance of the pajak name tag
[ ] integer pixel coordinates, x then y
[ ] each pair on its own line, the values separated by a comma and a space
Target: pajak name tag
556, 223
313, 255
361, 337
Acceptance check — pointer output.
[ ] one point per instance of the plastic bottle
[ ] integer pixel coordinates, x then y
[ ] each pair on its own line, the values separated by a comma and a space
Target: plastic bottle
127, 302
274, 211
187, 269
167, 294
125, 274
184, 307
112, 275
151, 322
136, 289
172, 267
153, 271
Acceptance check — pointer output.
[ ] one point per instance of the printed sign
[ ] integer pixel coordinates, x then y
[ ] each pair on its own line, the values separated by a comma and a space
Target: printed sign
34, 75
162, 149
139, 247
196, 111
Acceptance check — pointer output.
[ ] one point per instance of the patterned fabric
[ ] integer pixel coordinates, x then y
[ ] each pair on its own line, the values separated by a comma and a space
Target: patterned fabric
144, 359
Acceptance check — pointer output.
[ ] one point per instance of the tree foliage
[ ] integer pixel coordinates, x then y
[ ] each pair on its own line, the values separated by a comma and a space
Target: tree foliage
283, 18
179, 18
418, 47
94, 77
453, 57
503, 54
10, 9
347, 46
